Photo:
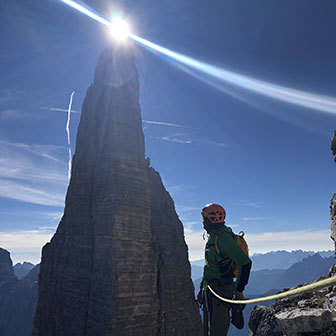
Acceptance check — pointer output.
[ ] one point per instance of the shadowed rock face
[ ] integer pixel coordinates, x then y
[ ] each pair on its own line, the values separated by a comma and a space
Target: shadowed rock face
117, 264
18, 298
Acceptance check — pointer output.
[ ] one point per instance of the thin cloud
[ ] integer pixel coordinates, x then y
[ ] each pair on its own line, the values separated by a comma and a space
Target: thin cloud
251, 203
59, 109
189, 141
162, 123
213, 143
67, 129
176, 140
31, 194
13, 114
256, 218
32, 174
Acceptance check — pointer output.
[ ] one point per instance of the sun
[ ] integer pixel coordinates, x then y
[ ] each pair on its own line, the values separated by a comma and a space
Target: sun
119, 28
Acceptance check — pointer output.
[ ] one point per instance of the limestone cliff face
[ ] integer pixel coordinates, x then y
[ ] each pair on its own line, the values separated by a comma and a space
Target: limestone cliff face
310, 313
117, 264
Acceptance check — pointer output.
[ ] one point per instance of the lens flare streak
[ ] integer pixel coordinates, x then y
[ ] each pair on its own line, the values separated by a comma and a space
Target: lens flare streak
281, 93
297, 97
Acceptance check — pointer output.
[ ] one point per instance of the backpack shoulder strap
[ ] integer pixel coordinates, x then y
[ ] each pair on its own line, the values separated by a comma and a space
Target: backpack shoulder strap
218, 234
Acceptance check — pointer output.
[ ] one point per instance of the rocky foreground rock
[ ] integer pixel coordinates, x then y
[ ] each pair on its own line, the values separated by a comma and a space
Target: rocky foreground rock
18, 298
311, 313
118, 263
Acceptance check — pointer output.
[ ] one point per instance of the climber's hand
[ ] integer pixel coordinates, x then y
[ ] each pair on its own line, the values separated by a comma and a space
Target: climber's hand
239, 296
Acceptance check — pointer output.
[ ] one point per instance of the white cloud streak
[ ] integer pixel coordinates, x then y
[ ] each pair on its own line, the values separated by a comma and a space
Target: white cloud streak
176, 140
32, 173
251, 203
68, 133
162, 123
59, 109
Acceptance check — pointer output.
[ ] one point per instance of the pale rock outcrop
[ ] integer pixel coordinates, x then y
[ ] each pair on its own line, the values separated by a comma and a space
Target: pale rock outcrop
118, 263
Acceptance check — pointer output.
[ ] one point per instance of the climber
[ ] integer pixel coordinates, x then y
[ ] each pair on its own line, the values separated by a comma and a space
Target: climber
219, 273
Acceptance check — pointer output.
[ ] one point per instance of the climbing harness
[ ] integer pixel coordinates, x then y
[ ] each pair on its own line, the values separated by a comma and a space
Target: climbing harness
295, 291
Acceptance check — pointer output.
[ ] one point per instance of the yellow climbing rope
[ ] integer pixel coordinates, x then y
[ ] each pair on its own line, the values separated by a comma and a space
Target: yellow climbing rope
315, 285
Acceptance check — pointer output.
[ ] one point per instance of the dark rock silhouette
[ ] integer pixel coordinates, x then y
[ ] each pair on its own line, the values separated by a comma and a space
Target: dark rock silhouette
118, 262
309, 313
18, 298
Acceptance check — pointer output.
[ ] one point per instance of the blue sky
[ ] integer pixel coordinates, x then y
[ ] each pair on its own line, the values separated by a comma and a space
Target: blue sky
267, 162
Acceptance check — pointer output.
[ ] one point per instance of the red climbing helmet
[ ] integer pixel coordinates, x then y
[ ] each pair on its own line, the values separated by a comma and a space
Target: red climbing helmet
214, 212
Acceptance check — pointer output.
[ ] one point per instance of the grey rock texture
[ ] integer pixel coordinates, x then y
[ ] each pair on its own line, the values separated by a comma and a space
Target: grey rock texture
18, 298
310, 313
118, 262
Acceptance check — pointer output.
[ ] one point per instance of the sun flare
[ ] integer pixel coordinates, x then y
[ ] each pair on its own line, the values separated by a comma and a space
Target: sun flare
119, 28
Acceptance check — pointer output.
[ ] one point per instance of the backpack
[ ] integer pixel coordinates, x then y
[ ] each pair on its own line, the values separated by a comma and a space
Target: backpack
240, 240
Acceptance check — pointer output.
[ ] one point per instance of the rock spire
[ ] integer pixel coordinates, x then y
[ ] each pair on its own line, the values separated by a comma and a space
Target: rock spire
118, 262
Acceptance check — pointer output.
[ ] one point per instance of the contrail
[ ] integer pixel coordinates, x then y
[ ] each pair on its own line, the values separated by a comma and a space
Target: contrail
281, 93
68, 133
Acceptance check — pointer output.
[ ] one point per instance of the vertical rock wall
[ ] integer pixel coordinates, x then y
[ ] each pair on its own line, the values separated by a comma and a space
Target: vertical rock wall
117, 264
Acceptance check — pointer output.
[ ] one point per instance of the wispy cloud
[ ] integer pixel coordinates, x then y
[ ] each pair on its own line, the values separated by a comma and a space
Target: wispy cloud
250, 203
25, 245
268, 241
183, 139
162, 123
256, 218
33, 173
30, 194
56, 109
176, 140
13, 114
212, 143
68, 133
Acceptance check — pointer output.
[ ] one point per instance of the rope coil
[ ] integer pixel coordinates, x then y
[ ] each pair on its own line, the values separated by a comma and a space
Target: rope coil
295, 291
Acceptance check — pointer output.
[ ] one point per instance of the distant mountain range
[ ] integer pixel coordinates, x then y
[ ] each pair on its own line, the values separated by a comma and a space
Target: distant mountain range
270, 281
270, 260
21, 270
283, 259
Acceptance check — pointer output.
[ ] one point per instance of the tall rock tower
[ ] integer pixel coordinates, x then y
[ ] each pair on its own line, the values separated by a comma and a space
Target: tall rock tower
118, 262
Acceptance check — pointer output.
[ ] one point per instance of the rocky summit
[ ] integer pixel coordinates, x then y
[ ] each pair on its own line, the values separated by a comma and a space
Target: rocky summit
118, 262
309, 313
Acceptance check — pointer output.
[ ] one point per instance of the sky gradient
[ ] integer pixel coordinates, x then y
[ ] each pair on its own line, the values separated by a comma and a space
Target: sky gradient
267, 162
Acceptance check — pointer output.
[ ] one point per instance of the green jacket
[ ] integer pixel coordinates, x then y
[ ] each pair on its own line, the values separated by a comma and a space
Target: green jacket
218, 269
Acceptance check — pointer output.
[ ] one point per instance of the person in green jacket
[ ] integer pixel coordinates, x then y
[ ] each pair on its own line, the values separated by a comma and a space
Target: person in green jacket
218, 272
